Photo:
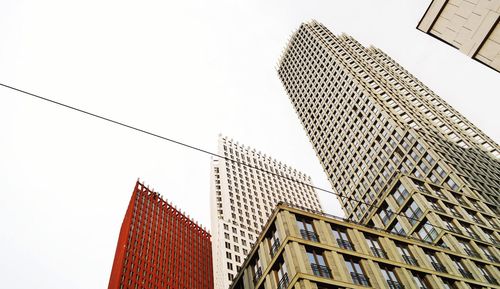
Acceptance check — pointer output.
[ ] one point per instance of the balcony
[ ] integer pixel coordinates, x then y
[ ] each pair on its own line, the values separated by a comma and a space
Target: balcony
378, 252
284, 281
344, 244
360, 279
453, 229
395, 284
491, 258
439, 267
437, 208
275, 246
321, 270
309, 235
465, 273
471, 253
257, 275
490, 279
410, 260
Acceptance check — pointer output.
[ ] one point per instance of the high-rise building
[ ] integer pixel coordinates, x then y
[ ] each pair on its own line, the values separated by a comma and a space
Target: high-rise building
472, 27
334, 254
160, 247
242, 199
400, 157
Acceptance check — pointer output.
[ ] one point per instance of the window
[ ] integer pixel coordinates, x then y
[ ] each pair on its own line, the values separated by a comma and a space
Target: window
435, 262
413, 212
356, 272
342, 238
468, 248
400, 194
451, 184
318, 264
406, 254
274, 241
487, 253
390, 277
448, 284
282, 276
256, 270
420, 281
427, 232
398, 229
460, 267
385, 214
306, 229
486, 274
375, 247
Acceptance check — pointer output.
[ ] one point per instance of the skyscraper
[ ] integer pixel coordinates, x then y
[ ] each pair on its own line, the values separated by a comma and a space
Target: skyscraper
472, 27
159, 247
400, 157
242, 199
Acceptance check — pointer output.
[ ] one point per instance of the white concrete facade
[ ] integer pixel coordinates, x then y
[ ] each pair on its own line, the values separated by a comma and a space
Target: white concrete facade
242, 199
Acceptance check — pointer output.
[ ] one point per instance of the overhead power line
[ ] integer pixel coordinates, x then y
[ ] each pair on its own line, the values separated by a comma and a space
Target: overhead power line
203, 150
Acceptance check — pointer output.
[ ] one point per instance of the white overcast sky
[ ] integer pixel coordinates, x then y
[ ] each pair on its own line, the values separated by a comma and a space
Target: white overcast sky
186, 69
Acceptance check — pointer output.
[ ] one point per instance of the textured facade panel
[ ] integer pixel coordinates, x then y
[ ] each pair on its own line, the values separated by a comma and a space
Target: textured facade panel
242, 199
400, 157
159, 247
466, 25
337, 254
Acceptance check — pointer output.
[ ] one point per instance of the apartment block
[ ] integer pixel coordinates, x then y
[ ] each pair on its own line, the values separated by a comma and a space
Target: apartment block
160, 247
245, 188
401, 158
470, 26
303, 249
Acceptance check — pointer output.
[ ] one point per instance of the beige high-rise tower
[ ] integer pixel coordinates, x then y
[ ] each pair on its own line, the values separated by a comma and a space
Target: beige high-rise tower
242, 199
402, 159
472, 27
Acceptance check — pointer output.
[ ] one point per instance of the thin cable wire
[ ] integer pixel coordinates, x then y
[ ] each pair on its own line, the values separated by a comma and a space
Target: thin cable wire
206, 151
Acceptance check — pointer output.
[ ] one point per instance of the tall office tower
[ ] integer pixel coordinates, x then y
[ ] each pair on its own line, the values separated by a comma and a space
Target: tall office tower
243, 197
400, 157
159, 247
472, 27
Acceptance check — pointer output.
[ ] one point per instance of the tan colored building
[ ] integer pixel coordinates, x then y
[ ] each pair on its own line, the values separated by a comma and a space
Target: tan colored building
470, 26
302, 249
400, 157
242, 199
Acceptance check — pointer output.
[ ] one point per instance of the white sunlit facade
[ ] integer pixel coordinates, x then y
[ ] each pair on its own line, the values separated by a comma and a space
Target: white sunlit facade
242, 199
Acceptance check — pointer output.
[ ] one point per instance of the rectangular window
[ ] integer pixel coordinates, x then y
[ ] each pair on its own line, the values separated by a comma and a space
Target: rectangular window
406, 254
390, 277
413, 212
318, 264
357, 274
427, 232
375, 247
342, 238
400, 194
306, 229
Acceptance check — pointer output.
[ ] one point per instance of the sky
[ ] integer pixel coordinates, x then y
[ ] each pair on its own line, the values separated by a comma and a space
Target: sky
188, 70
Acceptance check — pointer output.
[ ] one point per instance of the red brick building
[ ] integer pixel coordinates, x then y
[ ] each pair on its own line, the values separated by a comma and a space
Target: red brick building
160, 248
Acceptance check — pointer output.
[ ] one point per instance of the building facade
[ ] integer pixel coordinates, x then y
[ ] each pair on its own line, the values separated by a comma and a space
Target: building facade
302, 249
159, 247
399, 156
242, 199
472, 27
